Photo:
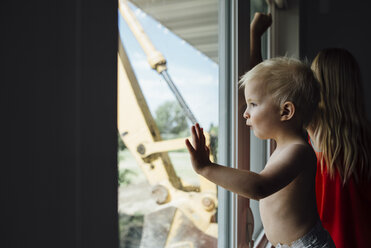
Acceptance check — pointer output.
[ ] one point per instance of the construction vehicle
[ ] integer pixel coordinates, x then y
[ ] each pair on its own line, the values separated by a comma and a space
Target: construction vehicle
186, 216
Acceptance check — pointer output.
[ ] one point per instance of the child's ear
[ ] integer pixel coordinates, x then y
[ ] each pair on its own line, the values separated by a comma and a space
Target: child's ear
287, 111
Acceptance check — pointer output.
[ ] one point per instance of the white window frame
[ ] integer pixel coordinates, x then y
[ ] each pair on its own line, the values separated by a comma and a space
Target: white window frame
230, 120
283, 39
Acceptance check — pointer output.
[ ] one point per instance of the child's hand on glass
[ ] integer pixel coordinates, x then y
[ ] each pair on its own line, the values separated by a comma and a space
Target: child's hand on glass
200, 153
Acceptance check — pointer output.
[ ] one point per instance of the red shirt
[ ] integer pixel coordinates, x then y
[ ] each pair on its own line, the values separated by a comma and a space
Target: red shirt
345, 210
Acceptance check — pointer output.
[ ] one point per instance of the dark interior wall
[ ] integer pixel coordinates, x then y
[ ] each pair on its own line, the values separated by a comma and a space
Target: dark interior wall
338, 23
59, 169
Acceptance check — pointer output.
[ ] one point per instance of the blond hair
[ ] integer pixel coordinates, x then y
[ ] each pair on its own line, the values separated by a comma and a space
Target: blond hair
288, 79
340, 127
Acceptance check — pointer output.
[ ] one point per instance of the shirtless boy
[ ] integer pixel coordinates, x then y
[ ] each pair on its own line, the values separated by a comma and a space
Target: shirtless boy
281, 96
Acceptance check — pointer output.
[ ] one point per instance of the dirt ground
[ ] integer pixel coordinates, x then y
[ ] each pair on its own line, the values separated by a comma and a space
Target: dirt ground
135, 199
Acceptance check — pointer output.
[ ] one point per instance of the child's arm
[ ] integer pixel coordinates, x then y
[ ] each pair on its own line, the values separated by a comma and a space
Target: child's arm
232, 179
258, 26
274, 177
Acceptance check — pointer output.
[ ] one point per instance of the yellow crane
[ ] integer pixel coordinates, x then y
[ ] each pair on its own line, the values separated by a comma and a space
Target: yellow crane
186, 213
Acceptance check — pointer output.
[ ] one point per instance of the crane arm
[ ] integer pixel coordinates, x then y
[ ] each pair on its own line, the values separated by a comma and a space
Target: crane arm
154, 57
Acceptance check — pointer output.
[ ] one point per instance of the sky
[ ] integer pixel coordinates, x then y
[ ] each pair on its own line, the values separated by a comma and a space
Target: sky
193, 73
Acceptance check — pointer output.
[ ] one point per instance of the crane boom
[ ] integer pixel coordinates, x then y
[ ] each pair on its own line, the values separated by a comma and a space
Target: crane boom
155, 58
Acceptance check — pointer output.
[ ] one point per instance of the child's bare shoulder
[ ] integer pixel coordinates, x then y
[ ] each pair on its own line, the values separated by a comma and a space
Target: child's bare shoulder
296, 155
299, 152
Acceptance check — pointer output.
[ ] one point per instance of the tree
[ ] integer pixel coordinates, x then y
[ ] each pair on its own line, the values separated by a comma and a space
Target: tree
171, 119
120, 144
213, 131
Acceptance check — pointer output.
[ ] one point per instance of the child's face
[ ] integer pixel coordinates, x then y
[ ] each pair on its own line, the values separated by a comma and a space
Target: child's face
262, 114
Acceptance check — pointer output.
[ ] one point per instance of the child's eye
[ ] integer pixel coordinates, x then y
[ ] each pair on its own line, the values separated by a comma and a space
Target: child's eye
252, 104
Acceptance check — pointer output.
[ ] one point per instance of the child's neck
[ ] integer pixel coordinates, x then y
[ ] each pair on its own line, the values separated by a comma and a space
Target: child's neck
290, 136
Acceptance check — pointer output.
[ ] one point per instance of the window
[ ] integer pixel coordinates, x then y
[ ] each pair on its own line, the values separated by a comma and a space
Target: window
162, 201
238, 147
156, 179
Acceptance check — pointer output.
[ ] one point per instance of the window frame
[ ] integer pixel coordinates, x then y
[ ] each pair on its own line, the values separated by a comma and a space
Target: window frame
234, 137
235, 141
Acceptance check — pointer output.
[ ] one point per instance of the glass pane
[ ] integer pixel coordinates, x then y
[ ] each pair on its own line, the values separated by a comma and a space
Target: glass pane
162, 201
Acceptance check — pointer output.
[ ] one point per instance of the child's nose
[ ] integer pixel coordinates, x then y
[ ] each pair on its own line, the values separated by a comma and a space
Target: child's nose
246, 115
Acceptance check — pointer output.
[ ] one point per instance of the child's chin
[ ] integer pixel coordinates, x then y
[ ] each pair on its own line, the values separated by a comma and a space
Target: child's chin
259, 136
